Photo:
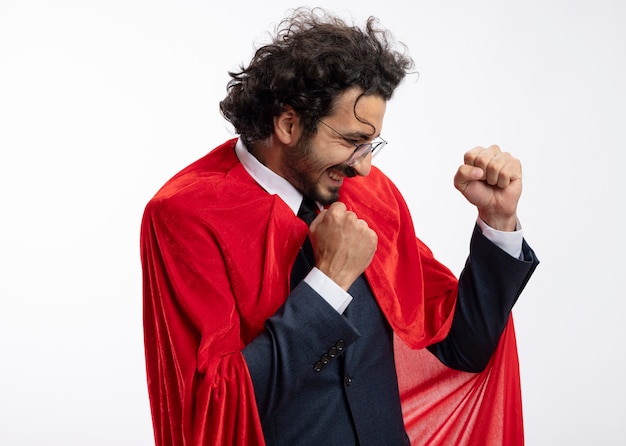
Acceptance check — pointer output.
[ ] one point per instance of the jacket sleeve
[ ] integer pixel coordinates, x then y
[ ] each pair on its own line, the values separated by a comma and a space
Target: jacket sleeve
198, 382
294, 347
489, 286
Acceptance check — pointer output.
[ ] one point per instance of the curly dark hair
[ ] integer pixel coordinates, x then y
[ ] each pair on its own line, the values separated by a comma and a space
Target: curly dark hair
312, 59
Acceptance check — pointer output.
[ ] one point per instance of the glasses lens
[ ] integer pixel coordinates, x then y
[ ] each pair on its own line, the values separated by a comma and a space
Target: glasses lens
359, 153
362, 150
377, 147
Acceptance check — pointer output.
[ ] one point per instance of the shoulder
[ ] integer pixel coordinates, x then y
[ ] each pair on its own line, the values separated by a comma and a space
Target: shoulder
199, 175
208, 187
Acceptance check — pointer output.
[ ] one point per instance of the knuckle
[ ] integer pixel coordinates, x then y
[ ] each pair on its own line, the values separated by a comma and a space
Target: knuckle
493, 169
481, 160
471, 155
374, 237
336, 208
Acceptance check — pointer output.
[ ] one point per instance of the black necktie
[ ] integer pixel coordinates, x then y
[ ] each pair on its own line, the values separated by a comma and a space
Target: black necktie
308, 210
305, 261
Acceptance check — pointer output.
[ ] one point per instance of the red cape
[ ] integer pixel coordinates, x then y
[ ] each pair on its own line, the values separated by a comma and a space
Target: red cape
215, 267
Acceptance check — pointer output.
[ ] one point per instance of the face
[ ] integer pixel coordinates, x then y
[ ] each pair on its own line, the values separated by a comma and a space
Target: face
317, 166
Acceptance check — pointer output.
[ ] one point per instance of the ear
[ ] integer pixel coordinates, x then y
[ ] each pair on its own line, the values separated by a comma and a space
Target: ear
287, 126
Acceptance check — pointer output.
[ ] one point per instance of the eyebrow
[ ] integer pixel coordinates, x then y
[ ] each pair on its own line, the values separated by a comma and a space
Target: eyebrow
354, 135
359, 135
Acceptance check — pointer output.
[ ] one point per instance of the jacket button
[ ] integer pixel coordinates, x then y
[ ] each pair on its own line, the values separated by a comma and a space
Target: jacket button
340, 344
347, 380
325, 359
332, 352
318, 366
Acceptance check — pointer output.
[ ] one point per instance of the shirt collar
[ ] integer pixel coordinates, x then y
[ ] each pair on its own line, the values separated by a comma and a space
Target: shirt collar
269, 180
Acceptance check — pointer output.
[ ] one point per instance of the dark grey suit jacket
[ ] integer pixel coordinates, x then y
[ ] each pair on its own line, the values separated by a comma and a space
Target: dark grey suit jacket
321, 377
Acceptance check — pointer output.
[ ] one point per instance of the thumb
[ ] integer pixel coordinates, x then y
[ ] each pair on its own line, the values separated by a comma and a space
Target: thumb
467, 174
315, 223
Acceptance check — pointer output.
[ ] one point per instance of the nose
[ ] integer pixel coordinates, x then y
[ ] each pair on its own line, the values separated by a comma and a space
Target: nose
364, 166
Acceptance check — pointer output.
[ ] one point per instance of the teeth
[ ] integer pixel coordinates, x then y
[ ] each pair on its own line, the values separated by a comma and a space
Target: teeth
335, 176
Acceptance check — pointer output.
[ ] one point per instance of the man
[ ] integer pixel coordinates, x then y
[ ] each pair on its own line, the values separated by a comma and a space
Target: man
262, 330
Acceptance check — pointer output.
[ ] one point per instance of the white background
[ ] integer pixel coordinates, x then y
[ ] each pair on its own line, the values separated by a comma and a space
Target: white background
101, 102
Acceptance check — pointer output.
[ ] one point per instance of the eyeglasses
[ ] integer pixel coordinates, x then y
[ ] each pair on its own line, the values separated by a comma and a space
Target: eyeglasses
361, 150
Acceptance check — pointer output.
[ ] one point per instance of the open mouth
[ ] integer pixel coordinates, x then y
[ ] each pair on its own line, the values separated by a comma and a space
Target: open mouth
336, 176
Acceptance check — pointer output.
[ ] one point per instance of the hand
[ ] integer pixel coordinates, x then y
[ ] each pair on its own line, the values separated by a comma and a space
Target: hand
492, 181
343, 244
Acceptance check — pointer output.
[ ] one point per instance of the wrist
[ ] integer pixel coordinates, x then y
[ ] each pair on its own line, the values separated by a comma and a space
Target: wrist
500, 222
340, 276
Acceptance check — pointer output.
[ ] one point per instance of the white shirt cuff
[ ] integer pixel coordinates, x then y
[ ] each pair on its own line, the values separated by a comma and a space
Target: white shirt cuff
329, 290
509, 242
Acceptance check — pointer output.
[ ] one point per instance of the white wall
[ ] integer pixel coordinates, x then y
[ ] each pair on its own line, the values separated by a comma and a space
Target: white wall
100, 102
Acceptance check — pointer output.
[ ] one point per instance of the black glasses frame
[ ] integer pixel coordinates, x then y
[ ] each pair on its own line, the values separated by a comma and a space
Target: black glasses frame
360, 150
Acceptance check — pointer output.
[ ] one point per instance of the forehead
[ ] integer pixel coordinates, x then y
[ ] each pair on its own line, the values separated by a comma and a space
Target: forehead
359, 113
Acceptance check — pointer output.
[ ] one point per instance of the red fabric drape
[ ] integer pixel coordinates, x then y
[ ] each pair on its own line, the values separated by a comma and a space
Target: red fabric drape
216, 267
442, 406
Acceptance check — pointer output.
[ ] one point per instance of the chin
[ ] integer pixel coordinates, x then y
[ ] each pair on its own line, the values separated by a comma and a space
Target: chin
328, 197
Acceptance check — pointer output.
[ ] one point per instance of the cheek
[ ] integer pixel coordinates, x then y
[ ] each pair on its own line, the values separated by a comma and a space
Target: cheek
316, 163
317, 159
331, 158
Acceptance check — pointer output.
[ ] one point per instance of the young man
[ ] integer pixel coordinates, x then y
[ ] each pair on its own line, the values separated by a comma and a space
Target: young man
262, 330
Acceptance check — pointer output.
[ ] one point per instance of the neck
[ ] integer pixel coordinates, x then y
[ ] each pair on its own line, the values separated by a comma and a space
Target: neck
268, 153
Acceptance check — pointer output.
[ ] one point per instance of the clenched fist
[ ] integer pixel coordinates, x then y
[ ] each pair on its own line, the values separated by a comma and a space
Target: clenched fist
343, 244
492, 181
